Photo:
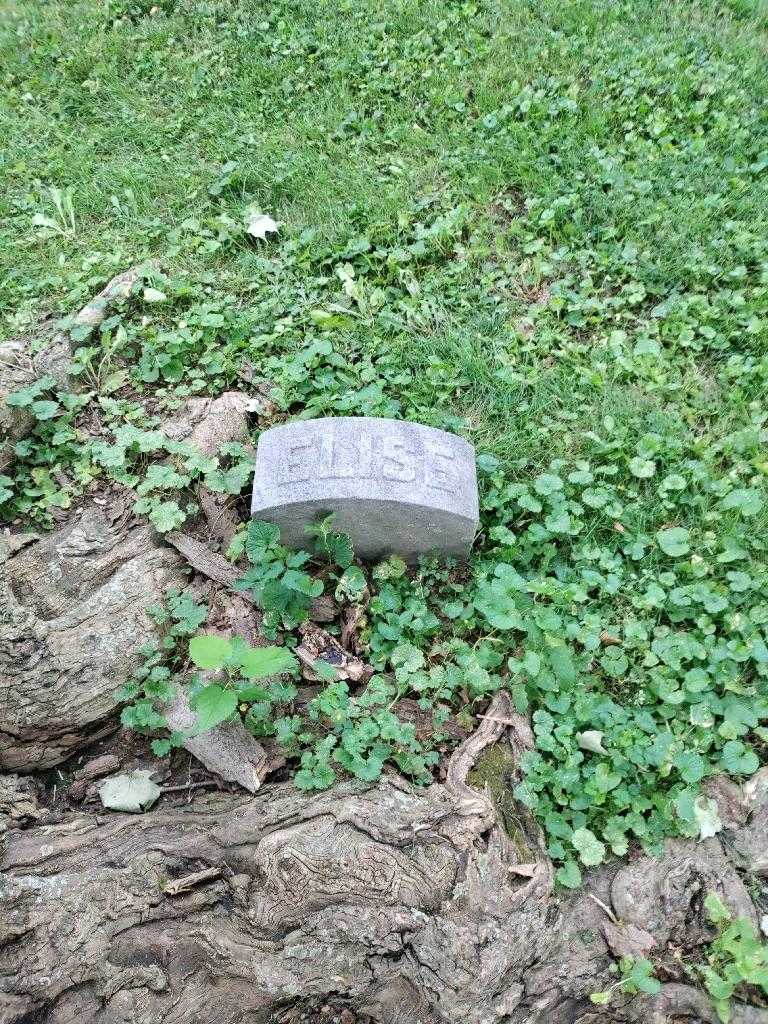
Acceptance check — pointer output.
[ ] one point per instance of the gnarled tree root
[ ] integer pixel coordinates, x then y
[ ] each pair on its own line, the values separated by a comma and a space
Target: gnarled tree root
404, 905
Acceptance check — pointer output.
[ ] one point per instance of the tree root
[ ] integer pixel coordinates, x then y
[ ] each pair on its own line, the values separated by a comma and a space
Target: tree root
397, 902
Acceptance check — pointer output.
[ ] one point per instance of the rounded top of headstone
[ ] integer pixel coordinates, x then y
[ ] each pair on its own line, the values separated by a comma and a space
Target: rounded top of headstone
394, 486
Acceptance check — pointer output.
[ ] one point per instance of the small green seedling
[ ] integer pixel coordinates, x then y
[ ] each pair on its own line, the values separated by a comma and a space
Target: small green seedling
241, 665
737, 958
636, 976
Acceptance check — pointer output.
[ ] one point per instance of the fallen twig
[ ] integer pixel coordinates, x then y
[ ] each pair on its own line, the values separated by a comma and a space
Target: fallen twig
501, 721
189, 785
604, 907
206, 562
182, 885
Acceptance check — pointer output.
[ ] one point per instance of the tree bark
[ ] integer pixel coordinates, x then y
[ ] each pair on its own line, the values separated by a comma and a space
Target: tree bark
404, 906
72, 622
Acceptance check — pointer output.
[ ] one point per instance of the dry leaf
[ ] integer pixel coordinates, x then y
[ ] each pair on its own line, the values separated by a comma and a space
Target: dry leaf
627, 940
705, 811
609, 641
259, 225
134, 791
591, 740
319, 646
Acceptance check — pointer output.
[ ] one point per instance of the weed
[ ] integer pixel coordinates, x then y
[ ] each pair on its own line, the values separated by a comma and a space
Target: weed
634, 976
736, 958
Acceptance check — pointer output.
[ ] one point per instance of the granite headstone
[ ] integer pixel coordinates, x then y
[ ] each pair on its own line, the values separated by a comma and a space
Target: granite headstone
395, 487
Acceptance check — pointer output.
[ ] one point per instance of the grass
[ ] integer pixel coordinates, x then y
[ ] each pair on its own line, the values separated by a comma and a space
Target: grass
540, 224
610, 127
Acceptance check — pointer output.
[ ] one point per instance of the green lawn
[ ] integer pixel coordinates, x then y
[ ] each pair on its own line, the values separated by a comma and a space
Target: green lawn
543, 225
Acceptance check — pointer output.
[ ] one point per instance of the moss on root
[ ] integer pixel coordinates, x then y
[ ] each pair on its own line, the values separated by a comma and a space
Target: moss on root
496, 769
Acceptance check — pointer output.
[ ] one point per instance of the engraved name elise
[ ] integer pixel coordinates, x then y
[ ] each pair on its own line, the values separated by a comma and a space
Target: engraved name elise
368, 457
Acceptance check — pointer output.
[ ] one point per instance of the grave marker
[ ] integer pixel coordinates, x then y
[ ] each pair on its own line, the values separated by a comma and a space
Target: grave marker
395, 487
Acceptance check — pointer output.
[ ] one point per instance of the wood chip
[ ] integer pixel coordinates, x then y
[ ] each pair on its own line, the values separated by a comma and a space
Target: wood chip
98, 767
94, 769
318, 645
181, 885
351, 618
205, 561
228, 749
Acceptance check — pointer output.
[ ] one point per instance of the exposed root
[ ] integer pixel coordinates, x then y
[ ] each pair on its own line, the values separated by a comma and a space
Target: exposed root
502, 721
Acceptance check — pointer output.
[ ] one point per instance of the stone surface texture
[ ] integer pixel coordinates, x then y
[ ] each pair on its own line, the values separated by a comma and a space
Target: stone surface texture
395, 487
